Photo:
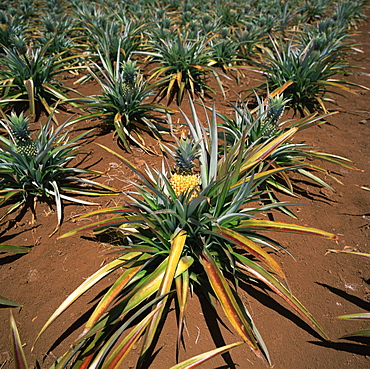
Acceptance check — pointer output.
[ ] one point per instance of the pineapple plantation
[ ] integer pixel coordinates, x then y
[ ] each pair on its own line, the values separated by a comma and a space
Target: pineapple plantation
226, 148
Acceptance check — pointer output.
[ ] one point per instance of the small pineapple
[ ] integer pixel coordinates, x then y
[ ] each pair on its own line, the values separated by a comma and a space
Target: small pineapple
130, 73
129, 78
275, 109
183, 178
21, 135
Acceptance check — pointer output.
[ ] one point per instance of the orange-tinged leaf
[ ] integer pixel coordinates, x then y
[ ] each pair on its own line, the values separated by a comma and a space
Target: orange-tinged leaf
117, 357
86, 362
258, 272
252, 248
228, 302
113, 292
177, 245
86, 285
19, 356
261, 153
286, 227
281, 89
202, 358
366, 255
179, 78
170, 86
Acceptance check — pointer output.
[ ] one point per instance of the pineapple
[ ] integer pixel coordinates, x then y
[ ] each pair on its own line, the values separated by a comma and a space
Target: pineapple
275, 109
129, 73
183, 178
129, 78
21, 135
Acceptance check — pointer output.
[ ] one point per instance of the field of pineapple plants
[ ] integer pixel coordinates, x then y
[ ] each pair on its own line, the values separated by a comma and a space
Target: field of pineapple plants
184, 184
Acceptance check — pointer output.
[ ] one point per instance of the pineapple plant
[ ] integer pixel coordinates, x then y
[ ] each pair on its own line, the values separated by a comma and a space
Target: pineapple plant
183, 179
19, 129
29, 76
123, 102
171, 247
38, 168
263, 124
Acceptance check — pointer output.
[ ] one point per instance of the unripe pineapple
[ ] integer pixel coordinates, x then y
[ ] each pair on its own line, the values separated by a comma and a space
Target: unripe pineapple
130, 73
275, 109
21, 135
129, 79
184, 179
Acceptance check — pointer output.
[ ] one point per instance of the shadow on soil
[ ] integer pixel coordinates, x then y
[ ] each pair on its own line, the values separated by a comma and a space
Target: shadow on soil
347, 296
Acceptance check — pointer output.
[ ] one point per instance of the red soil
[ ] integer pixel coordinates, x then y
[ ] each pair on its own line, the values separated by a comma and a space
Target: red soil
328, 285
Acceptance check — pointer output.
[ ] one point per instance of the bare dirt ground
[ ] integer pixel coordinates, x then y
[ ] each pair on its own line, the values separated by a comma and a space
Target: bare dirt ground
328, 285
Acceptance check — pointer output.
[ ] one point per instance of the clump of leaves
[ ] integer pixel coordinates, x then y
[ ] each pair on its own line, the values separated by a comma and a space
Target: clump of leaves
263, 123
311, 11
57, 34
124, 103
34, 168
326, 33
349, 13
11, 29
174, 242
29, 76
125, 37
307, 70
225, 53
185, 65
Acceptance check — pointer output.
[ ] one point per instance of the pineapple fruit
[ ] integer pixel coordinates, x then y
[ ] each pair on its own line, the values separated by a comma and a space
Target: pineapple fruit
24, 144
183, 178
275, 109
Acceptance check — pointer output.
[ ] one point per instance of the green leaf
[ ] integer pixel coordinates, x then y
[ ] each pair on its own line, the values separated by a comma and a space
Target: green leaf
362, 333
15, 249
359, 316
7, 302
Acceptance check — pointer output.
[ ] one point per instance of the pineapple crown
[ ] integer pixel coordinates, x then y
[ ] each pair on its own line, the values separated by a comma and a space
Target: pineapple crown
129, 73
186, 151
17, 127
275, 107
